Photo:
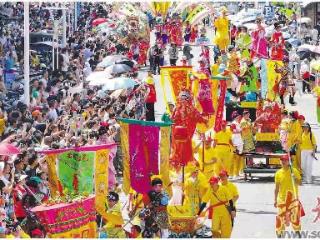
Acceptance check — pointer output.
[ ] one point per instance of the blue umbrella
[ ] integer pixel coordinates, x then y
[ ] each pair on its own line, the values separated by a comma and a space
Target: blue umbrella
118, 83
294, 42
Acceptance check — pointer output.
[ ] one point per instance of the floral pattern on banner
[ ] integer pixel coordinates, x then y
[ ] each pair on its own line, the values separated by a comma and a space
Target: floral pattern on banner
219, 115
179, 80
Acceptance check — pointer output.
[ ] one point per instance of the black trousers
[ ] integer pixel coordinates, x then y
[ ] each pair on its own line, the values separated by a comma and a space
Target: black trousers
306, 85
150, 112
156, 66
173, 62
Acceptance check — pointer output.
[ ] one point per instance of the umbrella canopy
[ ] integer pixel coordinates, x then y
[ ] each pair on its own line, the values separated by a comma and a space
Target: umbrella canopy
97, 77
8, 149
118, 69
118, 83
294, 42
308, 47
110, 60
98, 21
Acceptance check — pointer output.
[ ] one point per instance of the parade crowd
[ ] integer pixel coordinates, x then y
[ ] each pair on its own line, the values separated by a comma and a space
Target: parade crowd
65, 111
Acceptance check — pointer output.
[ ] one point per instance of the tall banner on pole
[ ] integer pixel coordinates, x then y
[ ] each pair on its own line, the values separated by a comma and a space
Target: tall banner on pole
140, 144
173, 80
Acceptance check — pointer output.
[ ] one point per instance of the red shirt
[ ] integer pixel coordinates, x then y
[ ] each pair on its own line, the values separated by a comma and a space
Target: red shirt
152, 96
18, 194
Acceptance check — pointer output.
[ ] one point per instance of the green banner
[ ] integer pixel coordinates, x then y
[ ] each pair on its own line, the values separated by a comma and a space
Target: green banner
76, 170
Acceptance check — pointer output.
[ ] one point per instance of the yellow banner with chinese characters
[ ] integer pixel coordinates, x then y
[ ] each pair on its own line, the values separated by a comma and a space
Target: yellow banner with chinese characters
101, 179
173, 80
267, 137
86, 231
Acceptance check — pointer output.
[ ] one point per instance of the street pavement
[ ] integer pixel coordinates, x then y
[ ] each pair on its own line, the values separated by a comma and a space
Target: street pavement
256, 213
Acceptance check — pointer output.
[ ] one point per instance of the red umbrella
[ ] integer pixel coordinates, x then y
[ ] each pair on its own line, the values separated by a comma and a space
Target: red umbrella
8, 149
98, 21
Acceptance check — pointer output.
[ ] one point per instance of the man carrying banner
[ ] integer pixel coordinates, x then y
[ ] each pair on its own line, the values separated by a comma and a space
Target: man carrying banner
114, 218
222, 206
223, 147
287, 180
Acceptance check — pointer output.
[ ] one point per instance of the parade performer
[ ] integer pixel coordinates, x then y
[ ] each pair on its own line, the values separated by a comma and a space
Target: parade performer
247, 132
222, 30
316, 92
207, 157
135, 206
285, 83
202, 87
185, 118
294, 139
277, 43
284, 130
287, 180
205, 55
233, 190
308, 148
195, 187
234, 33
194, 33
187, 32
143, 48
113, 227
259, 44
223, 147
251, 76
243, 42
222, 206
234, 61
155, 213
237, 143
151, 98
269, 118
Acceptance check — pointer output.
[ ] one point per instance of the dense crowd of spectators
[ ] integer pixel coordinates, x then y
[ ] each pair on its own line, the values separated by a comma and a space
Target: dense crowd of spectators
64, 110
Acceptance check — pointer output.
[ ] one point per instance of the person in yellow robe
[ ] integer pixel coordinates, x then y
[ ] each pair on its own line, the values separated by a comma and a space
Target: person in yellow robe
114, 219
222, 206
221, 24
232, 188
286, 197
208, 159
294, 139
224, 149
135, 206
196, 185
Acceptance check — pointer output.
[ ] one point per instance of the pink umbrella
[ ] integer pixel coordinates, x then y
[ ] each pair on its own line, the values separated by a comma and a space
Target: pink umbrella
98, 21
8, 149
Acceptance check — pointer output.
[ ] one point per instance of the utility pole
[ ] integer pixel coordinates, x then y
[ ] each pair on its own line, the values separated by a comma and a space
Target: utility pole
26, 62
64, 28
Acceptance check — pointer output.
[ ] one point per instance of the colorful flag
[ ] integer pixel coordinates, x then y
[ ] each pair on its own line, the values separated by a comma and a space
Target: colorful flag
219, 114
272, 77
140, 146
76, 170
173, 80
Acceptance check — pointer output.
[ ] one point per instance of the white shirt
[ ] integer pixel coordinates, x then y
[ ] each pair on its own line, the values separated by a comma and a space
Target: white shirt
304, 68
52, 114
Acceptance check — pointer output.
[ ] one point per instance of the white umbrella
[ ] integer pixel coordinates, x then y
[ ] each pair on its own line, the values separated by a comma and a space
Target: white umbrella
96, 77
110, 60
118, 83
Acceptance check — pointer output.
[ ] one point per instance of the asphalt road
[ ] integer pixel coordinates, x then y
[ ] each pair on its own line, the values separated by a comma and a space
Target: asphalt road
256, 213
